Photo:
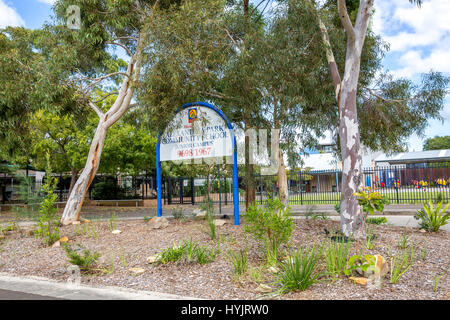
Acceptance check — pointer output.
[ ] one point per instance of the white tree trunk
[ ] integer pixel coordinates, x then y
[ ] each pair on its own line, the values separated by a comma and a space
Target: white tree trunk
282, 179
345, 90
73, 178
76, 198
351, 214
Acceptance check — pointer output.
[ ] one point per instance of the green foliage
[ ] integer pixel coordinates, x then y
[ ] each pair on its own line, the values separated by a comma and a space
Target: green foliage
239, 261
171, 254
112, 222
436, 280
11, 227
270, 224
401, 263
81, 256
211, 224
437, 143
189, 250
300, 270
337, 208
335, 254
48, 223
403, 241
204, 254
371, 201
186, 252
63, 136
370, 241
94, 233
423, 253
107, 189
433, 218
363, 262
28, 196
376, 220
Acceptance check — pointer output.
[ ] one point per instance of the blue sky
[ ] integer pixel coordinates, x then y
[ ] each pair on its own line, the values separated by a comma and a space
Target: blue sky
419, 40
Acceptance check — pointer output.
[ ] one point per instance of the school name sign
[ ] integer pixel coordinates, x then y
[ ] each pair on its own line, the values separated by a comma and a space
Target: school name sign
196, 132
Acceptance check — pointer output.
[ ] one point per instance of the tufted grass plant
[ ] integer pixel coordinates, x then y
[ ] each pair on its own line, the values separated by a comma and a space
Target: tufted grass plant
239, 261
335, 254
300, 270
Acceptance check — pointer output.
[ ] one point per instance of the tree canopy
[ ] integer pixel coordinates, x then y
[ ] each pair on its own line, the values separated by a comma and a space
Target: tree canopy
437, 143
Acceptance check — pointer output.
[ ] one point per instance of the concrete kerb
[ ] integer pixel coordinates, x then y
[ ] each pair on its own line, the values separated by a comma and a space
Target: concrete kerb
63, 290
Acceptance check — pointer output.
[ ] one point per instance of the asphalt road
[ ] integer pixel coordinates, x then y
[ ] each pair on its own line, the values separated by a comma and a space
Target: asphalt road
15, 295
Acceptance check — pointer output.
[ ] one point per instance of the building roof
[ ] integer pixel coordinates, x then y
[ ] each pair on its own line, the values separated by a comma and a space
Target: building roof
319, 161
416, 157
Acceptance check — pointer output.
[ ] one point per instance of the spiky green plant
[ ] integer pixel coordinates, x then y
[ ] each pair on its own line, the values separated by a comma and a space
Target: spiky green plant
433, 218
300, 270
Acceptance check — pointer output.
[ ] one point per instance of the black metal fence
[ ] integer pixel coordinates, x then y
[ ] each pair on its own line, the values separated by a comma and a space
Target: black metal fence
102, 188
402, 185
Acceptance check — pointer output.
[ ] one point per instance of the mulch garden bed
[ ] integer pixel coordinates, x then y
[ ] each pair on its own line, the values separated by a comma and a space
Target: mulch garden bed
22, 254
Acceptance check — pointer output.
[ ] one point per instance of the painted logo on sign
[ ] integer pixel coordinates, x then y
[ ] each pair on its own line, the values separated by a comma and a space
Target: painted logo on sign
192, 114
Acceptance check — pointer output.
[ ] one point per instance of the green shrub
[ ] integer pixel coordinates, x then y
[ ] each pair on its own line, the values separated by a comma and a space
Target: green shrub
271, 224
363, 262
433, 218
48, 219
239, 260
300, 270
436, 280
337, 208
377, 220
204, 254
81, 257
401, 263
211, 224
189, 251
171, 254
335, 254
403, 241
107, 189
112, 222
27, 196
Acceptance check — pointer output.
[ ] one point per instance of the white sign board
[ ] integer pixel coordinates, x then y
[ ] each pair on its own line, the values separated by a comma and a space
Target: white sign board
196, 132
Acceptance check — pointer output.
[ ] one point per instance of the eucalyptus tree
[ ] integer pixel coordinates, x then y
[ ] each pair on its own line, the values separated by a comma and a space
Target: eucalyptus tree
291, 81
61, 67
28, 81
106, 23
381, 112
203, 52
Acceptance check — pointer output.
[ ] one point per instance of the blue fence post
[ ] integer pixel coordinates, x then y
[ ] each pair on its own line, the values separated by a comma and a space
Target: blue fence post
158, 179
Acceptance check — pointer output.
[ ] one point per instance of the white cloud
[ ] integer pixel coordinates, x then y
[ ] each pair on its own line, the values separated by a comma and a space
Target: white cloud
49, 2
9, 16
419, 36
419, 42
422, 26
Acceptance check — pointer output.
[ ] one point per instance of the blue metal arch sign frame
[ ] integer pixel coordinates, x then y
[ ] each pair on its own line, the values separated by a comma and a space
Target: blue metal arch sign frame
235, 169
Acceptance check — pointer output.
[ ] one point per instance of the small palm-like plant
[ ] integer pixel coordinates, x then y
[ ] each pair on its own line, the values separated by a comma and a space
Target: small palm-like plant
300, 270
433, 218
